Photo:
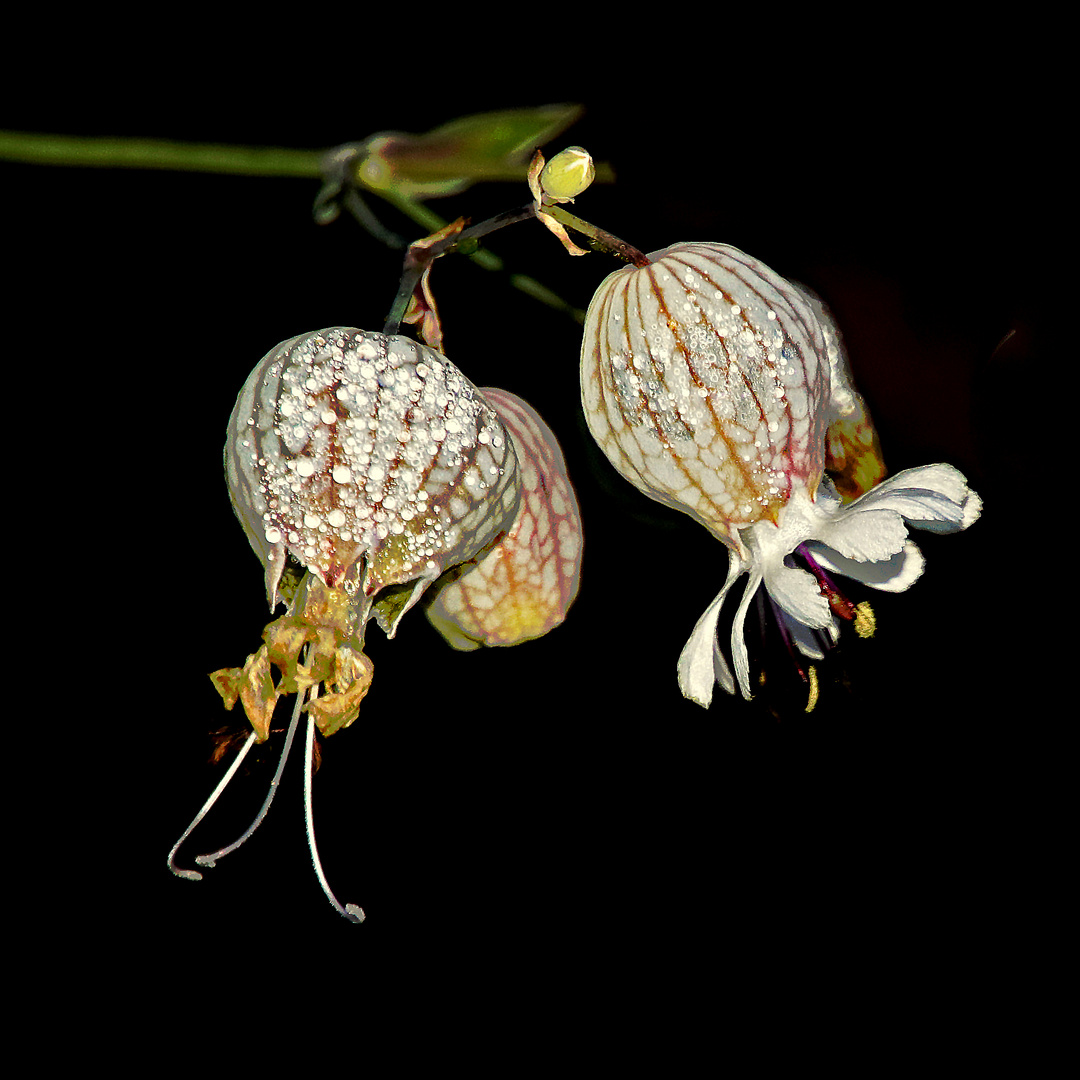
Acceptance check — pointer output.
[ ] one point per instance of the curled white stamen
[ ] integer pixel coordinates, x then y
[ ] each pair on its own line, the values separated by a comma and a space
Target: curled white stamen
212, 857
350, 911
194, 875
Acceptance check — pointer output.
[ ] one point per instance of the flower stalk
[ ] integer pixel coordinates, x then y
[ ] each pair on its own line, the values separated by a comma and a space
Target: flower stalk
601, 239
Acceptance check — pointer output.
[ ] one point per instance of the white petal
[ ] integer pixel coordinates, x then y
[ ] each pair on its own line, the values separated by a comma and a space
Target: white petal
798, 593
934, 497
808, 639
696, 671
721, 669
697, 666
866, 535
971, 511
890, 575
739, 656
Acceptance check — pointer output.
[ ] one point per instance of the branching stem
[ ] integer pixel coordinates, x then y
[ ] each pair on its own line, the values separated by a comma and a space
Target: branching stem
420, 256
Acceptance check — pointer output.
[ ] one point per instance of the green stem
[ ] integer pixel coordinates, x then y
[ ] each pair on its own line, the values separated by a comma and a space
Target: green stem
601, 238
169, 155
114, 153
418, 259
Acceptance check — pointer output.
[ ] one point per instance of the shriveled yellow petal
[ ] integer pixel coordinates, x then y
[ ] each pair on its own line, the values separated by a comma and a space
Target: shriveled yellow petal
338, 710
561, 233
253, 685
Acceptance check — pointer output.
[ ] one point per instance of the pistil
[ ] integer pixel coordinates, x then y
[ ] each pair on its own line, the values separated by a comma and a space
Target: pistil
841, 606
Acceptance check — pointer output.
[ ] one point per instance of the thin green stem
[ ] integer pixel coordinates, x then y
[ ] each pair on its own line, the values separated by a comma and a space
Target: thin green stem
169, 155
601, 238
117, 153
419, 258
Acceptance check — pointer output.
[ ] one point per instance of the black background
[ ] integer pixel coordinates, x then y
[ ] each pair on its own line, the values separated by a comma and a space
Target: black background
559, 798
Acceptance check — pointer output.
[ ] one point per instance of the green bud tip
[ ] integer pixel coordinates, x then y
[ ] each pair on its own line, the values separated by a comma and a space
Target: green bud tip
567, 174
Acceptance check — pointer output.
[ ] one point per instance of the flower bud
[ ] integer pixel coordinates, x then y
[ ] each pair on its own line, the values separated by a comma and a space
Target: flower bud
567, 174
371, 460
704, 380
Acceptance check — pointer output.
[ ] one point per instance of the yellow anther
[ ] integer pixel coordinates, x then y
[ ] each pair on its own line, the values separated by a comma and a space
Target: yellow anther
865, 621
812, 700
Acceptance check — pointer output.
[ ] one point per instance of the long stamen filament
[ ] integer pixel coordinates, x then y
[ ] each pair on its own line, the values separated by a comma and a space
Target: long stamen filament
212, 857
807, 674
194, 875
785, 636
350, 911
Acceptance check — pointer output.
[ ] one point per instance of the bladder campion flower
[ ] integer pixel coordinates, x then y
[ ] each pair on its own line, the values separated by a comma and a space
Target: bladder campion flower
362, 466
718, 388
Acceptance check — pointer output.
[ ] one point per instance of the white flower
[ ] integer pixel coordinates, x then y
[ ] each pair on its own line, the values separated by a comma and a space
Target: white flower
718, 388
865, 540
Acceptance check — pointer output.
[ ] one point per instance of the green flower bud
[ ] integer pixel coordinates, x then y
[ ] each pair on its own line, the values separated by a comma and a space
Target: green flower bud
567, 174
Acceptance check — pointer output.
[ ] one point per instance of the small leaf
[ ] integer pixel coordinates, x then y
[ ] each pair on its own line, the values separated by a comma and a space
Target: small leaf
446, 160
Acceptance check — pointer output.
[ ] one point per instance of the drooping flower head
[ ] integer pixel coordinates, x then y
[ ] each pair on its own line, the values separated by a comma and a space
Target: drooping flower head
716, 387
362, 467
371, 460
523, 586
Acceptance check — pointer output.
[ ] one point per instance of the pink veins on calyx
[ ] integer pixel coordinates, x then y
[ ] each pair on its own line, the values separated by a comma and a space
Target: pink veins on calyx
522, 587
703, 383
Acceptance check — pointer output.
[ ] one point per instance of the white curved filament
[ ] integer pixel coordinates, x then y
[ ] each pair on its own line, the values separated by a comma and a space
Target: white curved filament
350, 911
194, 875
212, 857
